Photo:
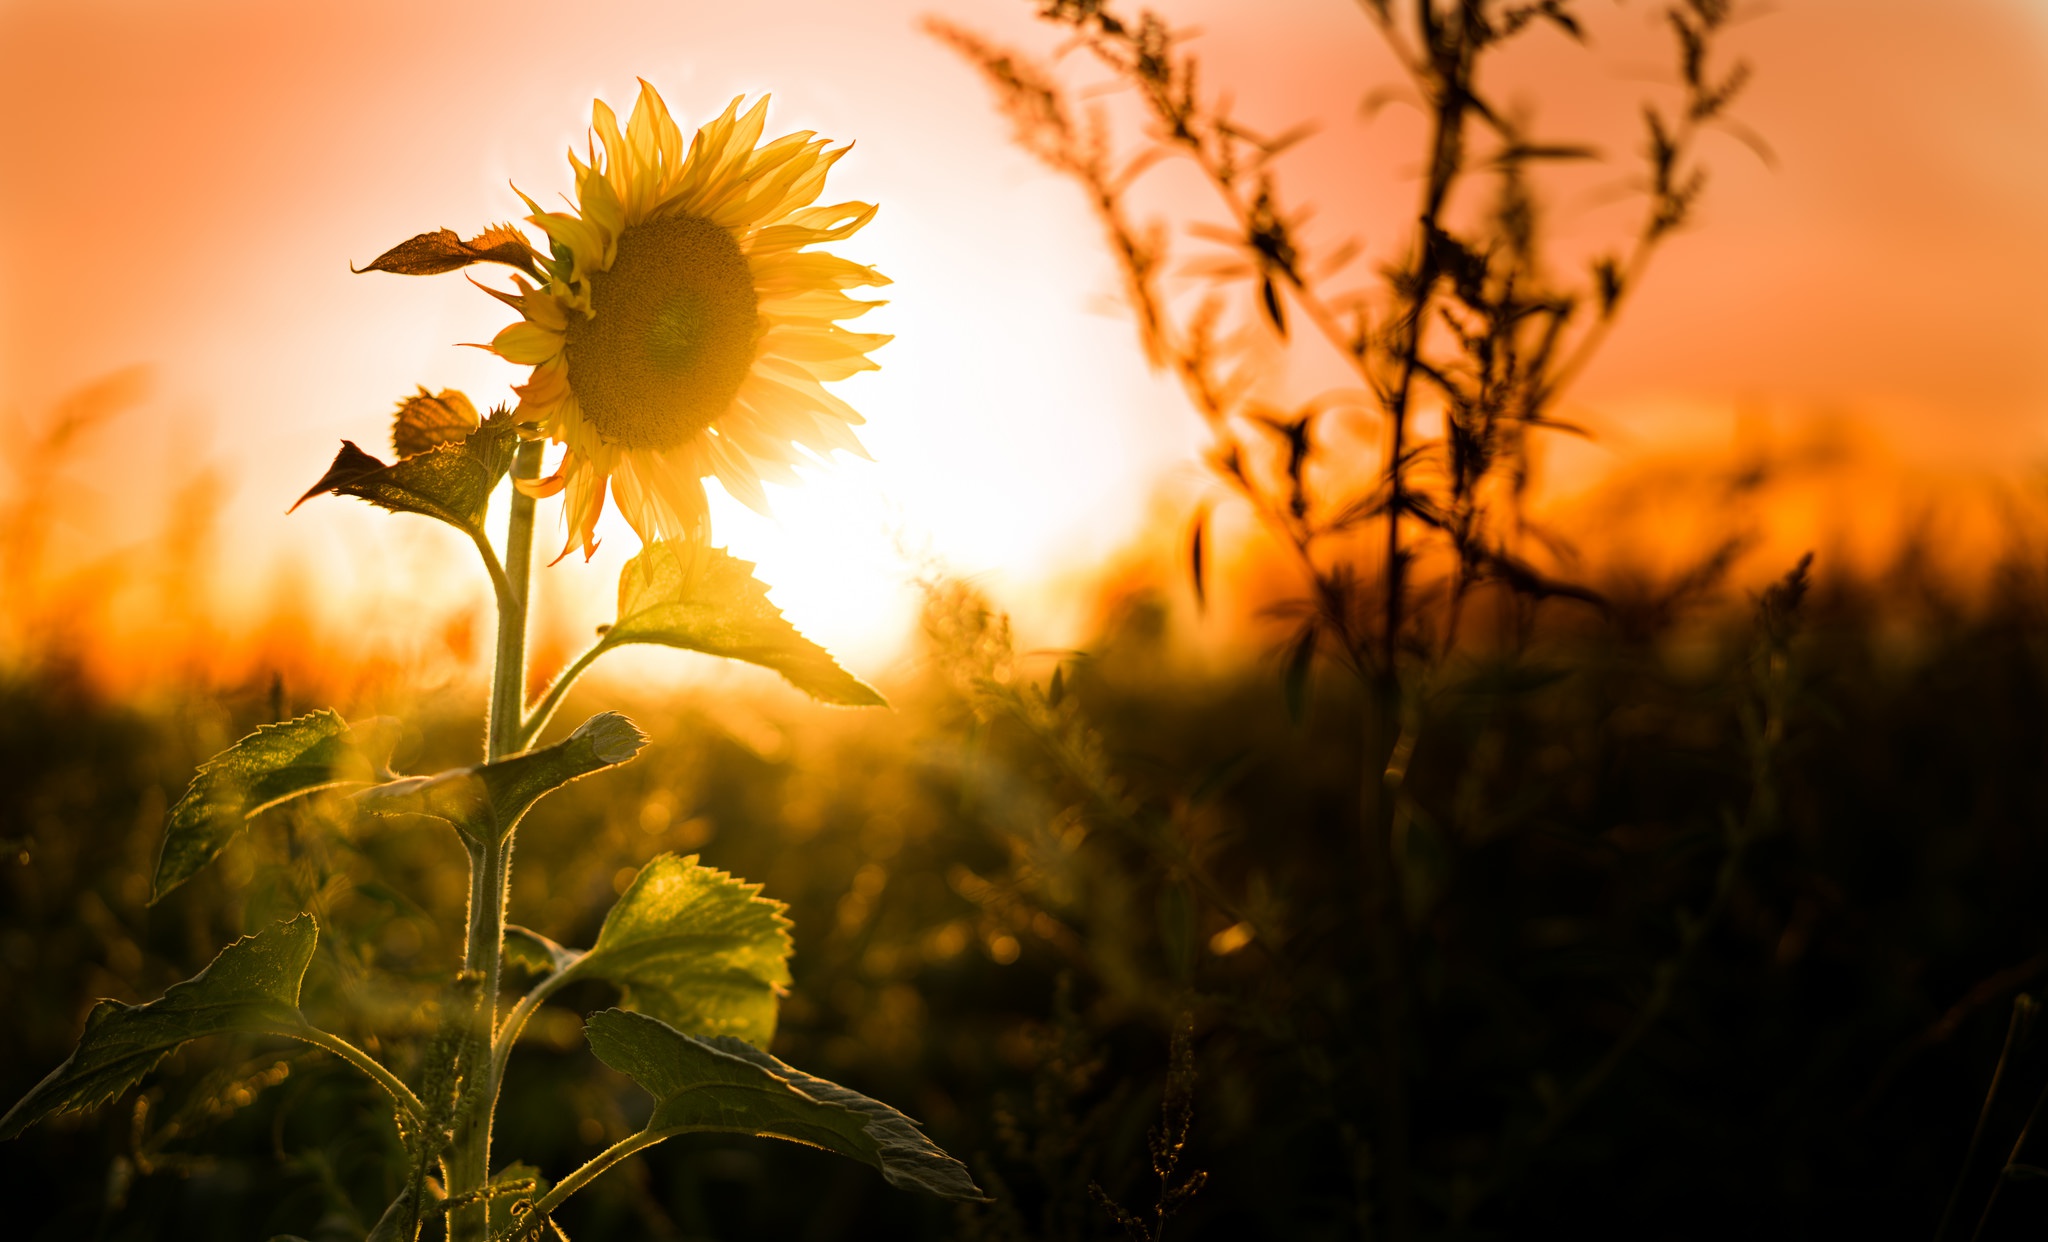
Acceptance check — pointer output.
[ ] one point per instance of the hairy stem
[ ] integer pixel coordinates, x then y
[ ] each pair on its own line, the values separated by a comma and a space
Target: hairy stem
469, 1165
545, 709
363, 1061
490, 869
560, 1191
501, 586
515, 1022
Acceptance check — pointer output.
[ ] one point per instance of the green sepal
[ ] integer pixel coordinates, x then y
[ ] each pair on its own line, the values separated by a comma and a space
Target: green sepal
489, 798
275, 764
730, 1086
251, 987
526, 949
527, 1227
699, 949
451, 482
707, 600
515, 1183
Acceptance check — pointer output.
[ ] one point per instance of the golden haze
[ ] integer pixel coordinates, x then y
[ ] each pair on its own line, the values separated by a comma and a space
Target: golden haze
202, 173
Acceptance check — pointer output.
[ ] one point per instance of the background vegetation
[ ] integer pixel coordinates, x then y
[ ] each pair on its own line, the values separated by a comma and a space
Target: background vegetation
1696, 908
990, 931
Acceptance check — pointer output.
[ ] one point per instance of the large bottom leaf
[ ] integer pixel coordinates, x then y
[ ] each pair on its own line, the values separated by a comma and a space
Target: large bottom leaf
252, 987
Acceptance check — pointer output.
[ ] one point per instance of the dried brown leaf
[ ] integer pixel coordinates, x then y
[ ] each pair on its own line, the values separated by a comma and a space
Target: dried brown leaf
442, 250
427, 420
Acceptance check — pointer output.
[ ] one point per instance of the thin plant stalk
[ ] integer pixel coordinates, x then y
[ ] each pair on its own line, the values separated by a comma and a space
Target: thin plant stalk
400, 1093
1384, 730
560, 1191
2022, 1013
2012, 1160
544, 711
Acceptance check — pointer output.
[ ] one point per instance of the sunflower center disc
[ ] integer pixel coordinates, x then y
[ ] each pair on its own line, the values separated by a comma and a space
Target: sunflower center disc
670, 336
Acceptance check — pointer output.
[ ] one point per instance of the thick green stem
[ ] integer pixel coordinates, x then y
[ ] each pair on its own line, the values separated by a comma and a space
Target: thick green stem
469, 1165
508, 677
490, 870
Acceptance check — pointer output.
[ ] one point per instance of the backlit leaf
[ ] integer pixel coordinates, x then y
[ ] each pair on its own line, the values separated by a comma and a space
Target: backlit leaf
517, 781
729, 1086
276, 763
707, 600
490, 797
451, 482
252, 987
430, 254
427, 420
697, 948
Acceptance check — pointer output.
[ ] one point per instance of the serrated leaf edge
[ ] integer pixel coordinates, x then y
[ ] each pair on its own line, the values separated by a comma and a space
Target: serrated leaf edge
612, 640
10, 1129
207, 767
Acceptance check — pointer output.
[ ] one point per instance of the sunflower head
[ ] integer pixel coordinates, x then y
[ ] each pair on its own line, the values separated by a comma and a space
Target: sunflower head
685, 327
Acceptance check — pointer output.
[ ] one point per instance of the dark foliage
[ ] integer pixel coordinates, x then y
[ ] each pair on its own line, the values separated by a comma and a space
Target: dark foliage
1003, 904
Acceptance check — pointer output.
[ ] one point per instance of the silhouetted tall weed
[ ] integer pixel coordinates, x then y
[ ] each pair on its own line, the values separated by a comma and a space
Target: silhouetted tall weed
1532, 899
1470, 322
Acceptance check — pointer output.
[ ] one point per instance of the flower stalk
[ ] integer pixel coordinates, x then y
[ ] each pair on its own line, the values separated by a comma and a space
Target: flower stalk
490, 868
508, 678
685, 294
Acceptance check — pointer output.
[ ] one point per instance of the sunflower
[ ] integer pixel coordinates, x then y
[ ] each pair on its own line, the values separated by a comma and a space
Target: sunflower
685, 330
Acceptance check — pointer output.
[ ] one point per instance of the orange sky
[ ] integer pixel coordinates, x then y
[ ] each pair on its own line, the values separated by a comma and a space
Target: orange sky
189, 181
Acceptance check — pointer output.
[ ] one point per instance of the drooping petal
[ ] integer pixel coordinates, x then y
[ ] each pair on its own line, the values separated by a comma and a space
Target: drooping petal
584, 506
661, 496
527, 344
736, 474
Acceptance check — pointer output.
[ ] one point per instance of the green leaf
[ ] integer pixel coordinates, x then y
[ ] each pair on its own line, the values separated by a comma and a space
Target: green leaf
275, 764
490, 797
697, 948
451, 482
708, 600
517, 781
253, 986
730, 1086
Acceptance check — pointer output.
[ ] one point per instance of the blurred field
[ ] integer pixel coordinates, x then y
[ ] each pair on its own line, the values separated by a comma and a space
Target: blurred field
997, 926
1716, 883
